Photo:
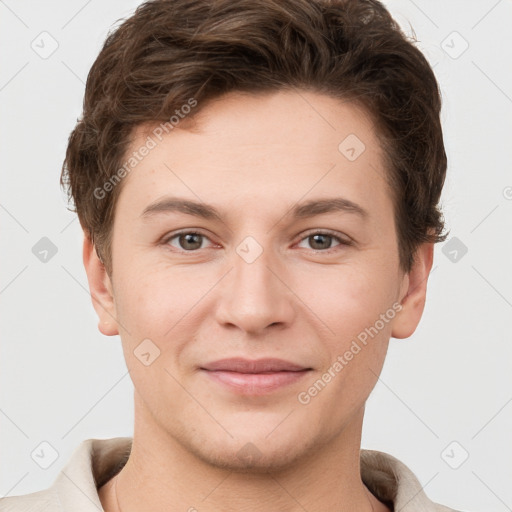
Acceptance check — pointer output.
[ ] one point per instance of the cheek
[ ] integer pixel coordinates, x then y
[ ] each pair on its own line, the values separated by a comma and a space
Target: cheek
358, 311
152, 309
157, 301
349, 300
357, 306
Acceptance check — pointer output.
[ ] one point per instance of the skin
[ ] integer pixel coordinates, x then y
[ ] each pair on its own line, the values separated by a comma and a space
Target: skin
253, 158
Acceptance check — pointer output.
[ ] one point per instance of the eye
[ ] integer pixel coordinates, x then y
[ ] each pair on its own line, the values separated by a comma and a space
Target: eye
322, 241
187, 241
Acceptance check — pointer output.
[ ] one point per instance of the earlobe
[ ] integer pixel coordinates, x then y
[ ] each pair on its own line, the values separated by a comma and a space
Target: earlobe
414, 293
100, 287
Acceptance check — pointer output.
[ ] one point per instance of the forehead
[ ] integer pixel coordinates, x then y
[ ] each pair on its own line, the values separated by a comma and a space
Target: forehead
265, 149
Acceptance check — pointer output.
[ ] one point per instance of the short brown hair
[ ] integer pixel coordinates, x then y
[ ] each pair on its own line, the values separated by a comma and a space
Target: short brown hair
170, 51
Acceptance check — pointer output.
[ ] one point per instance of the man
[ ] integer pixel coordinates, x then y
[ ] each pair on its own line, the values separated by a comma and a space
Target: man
258, 184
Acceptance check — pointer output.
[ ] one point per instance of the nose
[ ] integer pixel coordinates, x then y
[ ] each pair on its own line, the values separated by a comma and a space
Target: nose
255, 297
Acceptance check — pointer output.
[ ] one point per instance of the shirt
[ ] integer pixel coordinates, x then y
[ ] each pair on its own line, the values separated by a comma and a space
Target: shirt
95, 461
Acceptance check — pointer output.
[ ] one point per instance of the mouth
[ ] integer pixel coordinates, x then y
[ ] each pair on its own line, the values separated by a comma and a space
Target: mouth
254, 377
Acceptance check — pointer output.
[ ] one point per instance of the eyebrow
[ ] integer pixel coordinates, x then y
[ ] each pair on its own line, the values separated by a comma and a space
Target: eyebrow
307, 209
170, 204
319, 206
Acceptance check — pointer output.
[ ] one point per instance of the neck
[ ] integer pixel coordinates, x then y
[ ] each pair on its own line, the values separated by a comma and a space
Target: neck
161, 475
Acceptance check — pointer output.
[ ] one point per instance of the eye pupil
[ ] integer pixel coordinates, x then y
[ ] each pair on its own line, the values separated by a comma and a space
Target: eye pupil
190, 241
320, 241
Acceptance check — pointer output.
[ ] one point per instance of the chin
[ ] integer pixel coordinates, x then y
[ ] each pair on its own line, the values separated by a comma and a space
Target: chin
249, 459
252, 454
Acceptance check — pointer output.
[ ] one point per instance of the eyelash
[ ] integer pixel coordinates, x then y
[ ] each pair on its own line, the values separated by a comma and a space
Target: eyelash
341, 241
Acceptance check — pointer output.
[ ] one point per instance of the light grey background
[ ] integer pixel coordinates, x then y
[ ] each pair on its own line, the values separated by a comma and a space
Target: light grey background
61, 381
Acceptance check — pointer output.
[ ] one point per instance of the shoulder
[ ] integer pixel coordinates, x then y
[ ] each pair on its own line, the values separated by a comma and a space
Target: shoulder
40, 501
75, 488
390, 480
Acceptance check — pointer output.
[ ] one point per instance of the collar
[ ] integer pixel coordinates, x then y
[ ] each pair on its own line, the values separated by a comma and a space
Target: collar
95, 461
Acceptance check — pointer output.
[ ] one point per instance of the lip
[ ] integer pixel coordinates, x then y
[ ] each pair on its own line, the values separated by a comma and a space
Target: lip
254, 377
241, 365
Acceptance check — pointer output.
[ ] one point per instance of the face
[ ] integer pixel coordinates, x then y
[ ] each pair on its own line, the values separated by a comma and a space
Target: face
265, 231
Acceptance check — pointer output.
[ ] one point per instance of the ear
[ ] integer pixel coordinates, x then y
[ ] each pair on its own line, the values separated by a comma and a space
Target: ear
413, 292
100, 287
